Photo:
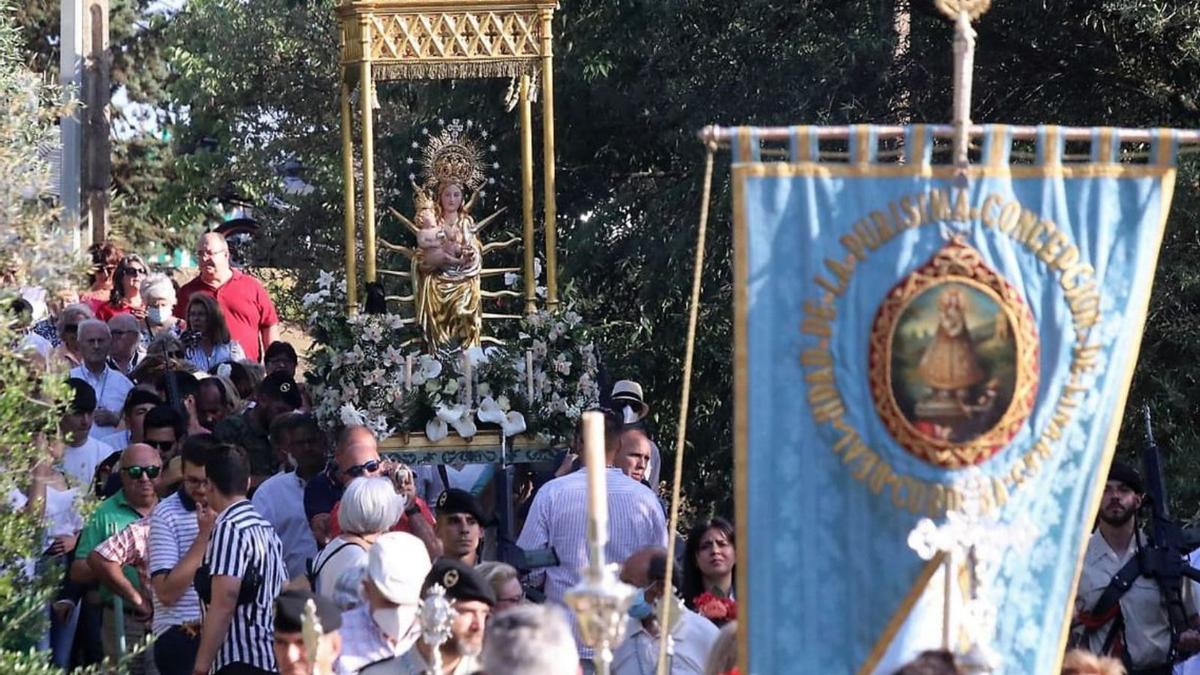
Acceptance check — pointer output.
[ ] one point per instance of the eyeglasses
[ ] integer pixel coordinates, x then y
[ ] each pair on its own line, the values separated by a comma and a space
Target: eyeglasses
204, 255
364, 468
136, 472
159, 445
135, 271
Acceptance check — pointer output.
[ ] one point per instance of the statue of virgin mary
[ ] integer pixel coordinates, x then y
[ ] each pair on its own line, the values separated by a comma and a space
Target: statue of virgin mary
446, 281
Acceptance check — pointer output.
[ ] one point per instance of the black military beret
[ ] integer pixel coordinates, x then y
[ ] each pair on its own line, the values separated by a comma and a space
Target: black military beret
460, 580
459, 501
1126, 474
289, 612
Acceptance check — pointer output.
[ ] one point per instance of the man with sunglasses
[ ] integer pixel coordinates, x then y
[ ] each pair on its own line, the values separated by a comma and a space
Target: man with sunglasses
357, 455
140, 467
160, 430
127, 351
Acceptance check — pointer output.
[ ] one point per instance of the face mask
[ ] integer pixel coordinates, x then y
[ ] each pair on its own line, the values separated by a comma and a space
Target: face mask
640, 609
398, 623
156, 316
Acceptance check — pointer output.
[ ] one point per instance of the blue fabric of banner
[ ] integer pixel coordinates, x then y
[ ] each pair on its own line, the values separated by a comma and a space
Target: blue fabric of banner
828, 493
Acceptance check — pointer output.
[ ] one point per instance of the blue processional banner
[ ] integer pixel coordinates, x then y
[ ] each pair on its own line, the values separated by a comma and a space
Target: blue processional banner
896, 327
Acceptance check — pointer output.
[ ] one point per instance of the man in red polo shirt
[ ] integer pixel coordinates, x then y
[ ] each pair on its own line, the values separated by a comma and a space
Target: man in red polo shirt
249, 312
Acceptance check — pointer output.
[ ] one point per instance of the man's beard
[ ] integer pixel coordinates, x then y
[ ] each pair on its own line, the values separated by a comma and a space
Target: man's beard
461, 647
1118, 518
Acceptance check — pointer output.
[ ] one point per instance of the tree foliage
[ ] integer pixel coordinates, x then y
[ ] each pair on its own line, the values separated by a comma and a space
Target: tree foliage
635, 80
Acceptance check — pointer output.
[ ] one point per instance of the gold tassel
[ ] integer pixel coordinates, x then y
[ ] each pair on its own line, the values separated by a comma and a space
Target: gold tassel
439, 71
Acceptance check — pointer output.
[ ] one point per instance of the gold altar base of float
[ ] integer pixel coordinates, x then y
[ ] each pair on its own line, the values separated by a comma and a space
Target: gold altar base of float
485, 447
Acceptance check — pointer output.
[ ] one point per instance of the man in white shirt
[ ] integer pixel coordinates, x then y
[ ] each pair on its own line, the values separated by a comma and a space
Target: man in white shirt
558, 518
280, 498
82, 453
111, 387
692, 636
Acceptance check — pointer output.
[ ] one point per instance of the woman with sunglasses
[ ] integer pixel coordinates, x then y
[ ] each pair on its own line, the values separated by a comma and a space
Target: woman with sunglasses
126, 294
105, 258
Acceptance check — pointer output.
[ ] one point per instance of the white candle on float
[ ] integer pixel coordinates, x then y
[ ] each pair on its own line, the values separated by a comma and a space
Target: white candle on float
593, 455
468, 395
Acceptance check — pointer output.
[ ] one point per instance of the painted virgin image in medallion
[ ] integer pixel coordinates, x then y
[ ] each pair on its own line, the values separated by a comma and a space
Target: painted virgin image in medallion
954, 360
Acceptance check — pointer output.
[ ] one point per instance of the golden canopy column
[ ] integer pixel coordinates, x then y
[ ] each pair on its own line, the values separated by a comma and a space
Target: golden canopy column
366, 88
350, 240
551, 207
527, 194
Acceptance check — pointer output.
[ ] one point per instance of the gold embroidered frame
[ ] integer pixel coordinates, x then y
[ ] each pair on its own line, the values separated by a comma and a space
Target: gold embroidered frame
956, 263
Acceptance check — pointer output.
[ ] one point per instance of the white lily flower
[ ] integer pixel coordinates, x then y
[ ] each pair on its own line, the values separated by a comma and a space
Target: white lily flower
465, 426
324, 279
572, 318
503, 402
429, 367
450, 413
511, 279
489, 411
513, 424
436, 430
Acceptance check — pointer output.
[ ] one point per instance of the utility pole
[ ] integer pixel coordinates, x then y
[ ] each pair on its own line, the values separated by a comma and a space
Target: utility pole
70, 77
97, 147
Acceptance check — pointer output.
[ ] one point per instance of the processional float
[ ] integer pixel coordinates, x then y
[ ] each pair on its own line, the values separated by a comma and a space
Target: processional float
397, 40
931, 362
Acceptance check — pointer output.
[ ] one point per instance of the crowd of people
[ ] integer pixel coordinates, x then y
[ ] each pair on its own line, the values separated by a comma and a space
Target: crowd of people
229, 522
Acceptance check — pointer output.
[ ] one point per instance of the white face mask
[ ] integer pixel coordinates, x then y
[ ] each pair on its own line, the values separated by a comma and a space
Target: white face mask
156, 316
398, 623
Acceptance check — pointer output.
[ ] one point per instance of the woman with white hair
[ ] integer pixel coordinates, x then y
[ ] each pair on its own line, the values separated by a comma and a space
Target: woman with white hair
158, 294
369, 507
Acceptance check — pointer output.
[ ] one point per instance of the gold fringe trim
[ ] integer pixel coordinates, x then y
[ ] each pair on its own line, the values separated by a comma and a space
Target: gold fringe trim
382, 72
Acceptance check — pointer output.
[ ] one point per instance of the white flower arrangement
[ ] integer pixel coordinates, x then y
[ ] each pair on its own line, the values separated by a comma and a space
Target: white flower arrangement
364, 370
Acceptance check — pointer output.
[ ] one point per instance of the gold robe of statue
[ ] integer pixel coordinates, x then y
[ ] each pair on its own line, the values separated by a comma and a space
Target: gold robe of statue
448, 300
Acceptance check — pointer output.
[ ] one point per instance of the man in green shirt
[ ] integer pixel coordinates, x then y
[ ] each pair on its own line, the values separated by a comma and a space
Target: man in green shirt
140, 468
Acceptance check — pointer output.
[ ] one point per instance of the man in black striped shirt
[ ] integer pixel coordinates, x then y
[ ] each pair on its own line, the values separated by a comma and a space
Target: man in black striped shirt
242, 574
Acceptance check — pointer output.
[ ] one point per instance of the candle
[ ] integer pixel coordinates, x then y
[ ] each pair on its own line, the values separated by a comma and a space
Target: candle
529, 374
408, 364
593, 456
468, 394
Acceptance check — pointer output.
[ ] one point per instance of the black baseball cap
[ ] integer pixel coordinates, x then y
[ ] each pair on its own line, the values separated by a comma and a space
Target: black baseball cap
83, 397
1128, 475
281, 387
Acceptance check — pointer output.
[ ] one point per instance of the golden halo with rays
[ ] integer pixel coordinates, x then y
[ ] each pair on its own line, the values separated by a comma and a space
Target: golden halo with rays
454, 156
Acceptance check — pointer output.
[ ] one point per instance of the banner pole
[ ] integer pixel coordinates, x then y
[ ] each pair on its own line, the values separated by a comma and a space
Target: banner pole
664, 610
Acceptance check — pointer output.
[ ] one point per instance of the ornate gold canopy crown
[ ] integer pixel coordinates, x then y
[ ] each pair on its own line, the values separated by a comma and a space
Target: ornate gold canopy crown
453, 156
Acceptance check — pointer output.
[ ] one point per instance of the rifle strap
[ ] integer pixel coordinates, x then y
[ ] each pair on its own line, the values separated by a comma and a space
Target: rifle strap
1108, 606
